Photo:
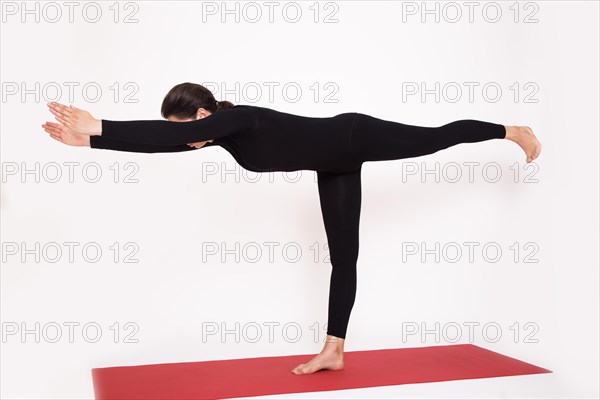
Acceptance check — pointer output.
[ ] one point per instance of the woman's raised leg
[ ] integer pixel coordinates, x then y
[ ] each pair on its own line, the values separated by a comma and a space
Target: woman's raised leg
375, 139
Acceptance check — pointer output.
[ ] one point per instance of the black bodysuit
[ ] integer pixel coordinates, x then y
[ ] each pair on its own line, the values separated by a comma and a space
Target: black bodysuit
264, 140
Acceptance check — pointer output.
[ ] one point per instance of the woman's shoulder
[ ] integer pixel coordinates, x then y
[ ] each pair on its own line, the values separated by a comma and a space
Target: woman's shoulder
259, 110
255, 110
247, 107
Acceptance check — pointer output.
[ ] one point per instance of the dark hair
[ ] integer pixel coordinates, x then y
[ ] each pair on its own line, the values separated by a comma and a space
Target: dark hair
184, 100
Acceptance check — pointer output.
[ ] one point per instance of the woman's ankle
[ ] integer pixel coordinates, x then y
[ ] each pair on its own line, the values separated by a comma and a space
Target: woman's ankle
511, 132
334, 344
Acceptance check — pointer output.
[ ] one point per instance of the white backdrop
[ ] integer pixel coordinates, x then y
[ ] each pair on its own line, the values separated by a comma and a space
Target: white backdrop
188, 257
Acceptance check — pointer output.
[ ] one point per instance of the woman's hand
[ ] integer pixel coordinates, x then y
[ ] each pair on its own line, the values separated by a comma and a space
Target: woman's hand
198, 144
77, 120
65, 135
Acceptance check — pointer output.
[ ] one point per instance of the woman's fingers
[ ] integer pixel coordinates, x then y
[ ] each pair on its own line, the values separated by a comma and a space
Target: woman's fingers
60, 117
55, 126
54, 135
61, 108
57, 114
56, 138
52, 126
197, 144
61, 112
55, 130
51, 129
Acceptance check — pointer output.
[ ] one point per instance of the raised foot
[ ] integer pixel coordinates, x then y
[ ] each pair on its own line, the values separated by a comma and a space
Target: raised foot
524, 137
331, 360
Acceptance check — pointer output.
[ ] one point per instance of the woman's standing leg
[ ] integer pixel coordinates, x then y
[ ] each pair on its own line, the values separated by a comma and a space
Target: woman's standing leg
340, 198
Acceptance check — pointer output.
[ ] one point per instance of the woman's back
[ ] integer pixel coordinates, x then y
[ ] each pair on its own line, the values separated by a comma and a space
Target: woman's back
270, 140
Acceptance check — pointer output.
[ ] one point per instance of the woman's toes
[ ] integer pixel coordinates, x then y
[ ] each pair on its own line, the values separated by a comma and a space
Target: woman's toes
298, 370
528, 142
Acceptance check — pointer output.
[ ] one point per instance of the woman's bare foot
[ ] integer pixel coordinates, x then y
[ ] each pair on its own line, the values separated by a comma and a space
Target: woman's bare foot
524, 137
331, 357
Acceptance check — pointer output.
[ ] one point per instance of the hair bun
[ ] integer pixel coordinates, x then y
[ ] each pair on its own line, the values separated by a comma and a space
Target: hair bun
224, 104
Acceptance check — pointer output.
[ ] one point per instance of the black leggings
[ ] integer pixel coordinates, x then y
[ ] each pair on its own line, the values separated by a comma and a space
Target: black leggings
374, 139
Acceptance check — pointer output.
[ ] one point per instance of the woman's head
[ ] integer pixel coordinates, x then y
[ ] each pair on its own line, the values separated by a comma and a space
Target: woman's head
184, 101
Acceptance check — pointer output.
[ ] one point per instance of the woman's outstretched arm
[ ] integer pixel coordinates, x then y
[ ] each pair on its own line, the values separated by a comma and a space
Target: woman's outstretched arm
157, 132
66, 136
100, 142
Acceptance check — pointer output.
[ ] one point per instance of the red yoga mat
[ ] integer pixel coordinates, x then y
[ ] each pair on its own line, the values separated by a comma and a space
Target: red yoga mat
262, 376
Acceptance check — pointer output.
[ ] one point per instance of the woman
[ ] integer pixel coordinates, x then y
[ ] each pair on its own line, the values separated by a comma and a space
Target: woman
263, 140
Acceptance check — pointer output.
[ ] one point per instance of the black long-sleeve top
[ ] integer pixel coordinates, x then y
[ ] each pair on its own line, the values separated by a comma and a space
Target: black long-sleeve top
259, 139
